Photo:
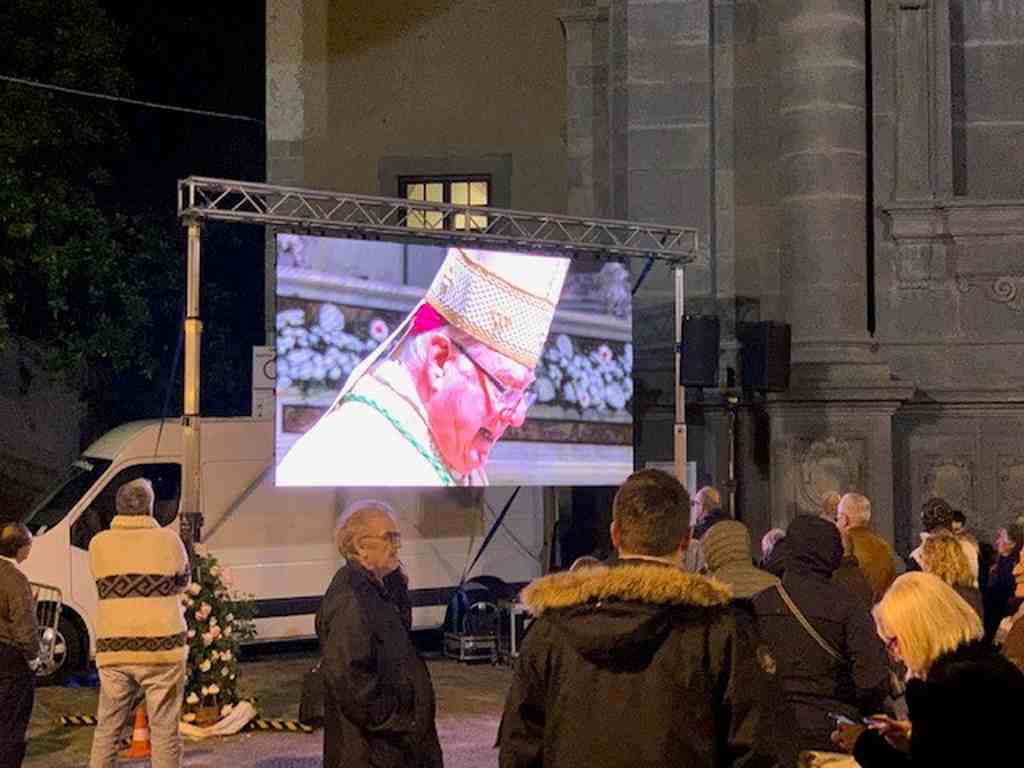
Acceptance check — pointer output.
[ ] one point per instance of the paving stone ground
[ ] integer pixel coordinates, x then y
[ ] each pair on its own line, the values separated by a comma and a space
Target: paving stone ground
470, 698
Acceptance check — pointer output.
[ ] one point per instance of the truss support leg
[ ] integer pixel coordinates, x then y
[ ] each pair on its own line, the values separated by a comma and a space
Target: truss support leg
679, 433
191, 520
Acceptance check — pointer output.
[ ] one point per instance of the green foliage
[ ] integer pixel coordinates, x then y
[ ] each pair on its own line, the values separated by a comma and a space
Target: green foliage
74, 276
218, 623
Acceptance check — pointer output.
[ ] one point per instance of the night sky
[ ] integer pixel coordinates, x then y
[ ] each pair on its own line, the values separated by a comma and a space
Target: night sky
197, 55
208, 56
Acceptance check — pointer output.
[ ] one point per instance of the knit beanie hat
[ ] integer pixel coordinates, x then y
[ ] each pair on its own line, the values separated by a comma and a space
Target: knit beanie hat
727, 541
936, 513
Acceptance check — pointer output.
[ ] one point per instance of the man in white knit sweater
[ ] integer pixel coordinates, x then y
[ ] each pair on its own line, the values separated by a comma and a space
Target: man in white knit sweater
140, 570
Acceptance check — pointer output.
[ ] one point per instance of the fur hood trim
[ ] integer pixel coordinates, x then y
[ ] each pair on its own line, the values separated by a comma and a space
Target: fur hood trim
624, 582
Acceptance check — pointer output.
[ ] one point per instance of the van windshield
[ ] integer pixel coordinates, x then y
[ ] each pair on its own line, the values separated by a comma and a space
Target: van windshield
56, 503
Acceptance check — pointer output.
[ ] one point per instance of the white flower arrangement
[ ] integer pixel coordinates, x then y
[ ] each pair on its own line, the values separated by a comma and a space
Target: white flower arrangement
596, 382
592, 377
212, 669
322, 353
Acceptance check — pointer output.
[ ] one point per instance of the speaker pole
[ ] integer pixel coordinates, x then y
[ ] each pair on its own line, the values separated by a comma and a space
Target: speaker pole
732, 402
679, 433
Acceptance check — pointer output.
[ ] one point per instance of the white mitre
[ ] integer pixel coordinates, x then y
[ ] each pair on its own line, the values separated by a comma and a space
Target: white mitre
505, 300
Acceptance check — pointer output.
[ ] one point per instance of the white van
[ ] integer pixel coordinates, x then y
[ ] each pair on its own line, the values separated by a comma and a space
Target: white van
276, 542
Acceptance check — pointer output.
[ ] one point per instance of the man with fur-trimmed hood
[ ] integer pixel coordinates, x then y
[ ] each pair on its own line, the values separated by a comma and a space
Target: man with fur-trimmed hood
640, 663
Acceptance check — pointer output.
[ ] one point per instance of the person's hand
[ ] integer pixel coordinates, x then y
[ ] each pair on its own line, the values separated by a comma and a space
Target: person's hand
845, 736
896, 732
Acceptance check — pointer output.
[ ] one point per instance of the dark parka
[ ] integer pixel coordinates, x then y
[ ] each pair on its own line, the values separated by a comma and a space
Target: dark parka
378, 698
640, 665
814, 683
966, 713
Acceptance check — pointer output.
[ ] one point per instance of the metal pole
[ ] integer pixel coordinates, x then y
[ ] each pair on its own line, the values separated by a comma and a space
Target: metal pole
191, 520
679, 433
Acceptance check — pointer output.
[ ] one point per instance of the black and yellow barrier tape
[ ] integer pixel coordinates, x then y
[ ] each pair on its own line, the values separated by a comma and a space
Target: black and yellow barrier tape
260, 724
78, 720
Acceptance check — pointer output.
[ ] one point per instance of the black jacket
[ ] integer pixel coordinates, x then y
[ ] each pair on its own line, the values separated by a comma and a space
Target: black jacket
999, 597
814, 683
967, 708
640, 665
378, 698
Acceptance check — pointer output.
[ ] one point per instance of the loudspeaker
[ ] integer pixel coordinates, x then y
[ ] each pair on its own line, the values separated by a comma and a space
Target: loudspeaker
699, 364
765, 355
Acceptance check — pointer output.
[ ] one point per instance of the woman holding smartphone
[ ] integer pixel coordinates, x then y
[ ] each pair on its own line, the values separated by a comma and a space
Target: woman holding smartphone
961, 693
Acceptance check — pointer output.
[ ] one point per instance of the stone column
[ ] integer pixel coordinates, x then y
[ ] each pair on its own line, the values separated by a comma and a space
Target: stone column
586, 70
832, 431
296, 98
822, 165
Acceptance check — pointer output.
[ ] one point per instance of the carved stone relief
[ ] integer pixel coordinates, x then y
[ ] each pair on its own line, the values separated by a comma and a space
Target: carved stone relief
913, 265
1007, 290
829, 464
1011, 488
950, 478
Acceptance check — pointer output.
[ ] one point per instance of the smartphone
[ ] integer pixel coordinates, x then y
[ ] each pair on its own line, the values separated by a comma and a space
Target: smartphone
840, 719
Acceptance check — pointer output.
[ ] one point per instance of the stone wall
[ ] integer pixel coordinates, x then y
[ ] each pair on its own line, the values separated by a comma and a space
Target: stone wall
40, 415
987, 80
876, 203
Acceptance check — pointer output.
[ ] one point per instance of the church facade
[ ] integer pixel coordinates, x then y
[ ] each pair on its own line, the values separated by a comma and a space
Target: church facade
854, 168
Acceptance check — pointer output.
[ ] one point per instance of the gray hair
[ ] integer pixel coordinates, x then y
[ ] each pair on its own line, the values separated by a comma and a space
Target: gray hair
354, 524
135, 498
857, 509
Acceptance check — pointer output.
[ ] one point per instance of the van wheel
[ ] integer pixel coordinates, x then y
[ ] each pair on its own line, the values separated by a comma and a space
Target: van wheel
68, 655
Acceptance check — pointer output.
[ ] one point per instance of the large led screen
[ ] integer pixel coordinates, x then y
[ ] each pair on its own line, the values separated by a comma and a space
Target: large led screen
413, 365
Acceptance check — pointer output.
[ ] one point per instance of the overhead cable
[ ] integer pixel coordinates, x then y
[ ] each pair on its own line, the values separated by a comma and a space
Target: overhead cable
123, 100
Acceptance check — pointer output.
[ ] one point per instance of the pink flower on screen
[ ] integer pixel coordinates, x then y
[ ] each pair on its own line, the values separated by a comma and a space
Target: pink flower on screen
379, 330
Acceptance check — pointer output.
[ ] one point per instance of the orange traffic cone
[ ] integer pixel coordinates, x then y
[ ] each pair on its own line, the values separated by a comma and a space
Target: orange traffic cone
140, 735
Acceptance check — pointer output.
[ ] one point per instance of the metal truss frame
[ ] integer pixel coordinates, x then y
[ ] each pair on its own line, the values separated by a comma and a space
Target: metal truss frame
320, 212
334, 213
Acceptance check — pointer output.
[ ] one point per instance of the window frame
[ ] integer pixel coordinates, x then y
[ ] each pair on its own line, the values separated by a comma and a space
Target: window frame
446, 180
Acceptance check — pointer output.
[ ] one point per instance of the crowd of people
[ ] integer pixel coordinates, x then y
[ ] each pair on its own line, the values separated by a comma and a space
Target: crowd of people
844, 660
679, 649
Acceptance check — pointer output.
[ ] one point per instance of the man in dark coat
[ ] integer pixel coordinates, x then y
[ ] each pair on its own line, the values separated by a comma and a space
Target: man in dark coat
379, 705
641, 664
19, 644
815, 683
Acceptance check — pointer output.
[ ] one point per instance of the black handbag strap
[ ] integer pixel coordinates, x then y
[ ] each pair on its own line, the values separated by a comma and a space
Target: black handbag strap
815, 635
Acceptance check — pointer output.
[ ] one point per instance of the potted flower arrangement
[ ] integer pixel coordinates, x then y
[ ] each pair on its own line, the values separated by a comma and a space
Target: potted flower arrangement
218, 622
